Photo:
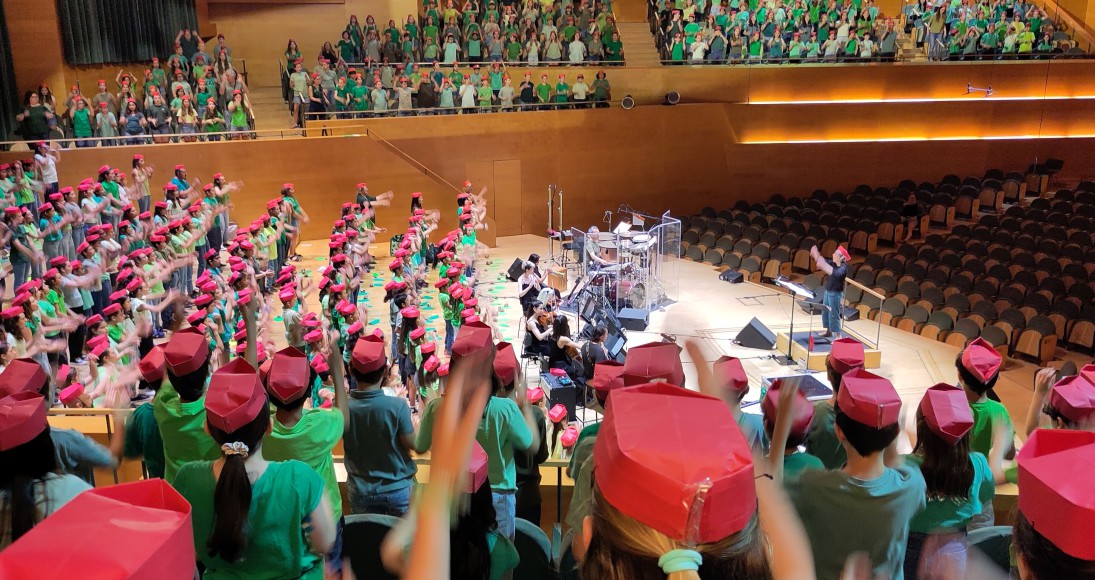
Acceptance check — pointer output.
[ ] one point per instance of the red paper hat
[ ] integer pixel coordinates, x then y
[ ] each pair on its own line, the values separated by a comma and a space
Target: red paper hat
535, 395
467, 312
288, 377
441, 283
981, 359
1088, 373
409, 312
846, 354
607, 376
202, 301
235, 396
472, 339
58, 261
395, 265
471, 302
557, 413
153, 365
477, 468
93, 320
356, 327
138, 531
844, 252
70, 393
431, 364
186, 352
653, 362
22, 418
868, 399
22, 374
802, 411
1057, 474
730, 374
196, 318
453, 272
347, 309
313, 337
569, 436
1074, 398
656, 476
368, 354
947, 412
505, 363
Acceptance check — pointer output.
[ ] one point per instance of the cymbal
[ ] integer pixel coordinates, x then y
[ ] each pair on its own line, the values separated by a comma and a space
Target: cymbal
610, 245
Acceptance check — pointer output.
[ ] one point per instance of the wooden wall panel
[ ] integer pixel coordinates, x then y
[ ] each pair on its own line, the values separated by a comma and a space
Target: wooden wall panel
654, 158
508, 198
35, 45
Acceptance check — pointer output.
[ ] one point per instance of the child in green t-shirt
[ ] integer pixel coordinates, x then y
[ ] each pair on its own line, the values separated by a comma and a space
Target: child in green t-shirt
866, 506
562, 91
543, 90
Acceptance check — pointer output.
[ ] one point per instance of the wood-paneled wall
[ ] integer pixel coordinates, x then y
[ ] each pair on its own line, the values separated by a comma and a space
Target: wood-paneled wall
656, 159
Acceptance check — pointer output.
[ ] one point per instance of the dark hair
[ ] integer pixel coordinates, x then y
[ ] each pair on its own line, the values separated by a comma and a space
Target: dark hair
834, 376
369, 378
971, 382
232, 498
947, 468
1044, 560
534, 258
865, 440
470, 553
600, 332
21, 467
190, 386
560, 327
416, 203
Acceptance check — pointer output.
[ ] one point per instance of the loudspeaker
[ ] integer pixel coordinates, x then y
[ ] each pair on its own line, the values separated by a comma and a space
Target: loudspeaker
634, 318
516, 269
756, 335
732, 276
850, 314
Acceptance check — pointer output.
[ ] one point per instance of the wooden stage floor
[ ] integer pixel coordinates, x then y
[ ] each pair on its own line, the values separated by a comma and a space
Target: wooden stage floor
713, 312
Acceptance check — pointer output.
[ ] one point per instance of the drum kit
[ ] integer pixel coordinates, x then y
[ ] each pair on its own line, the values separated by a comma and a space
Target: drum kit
625, 282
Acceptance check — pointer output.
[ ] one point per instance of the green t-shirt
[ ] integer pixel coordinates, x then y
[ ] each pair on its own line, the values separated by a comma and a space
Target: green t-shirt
752, 427
796, 463
947, 515
282, 499
182, 429
501, 430
503, 555
142, 439
311, 441
562, 91
543, 92
821, 441
485, 94
844, 515
986, 414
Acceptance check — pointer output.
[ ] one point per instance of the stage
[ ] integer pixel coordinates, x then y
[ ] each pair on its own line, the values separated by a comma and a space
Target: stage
713, 312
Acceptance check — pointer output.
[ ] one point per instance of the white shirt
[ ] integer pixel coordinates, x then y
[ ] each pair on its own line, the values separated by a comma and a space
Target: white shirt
49, 167
577, 51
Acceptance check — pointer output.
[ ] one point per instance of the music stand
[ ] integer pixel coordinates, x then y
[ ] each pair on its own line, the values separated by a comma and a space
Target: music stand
798, 292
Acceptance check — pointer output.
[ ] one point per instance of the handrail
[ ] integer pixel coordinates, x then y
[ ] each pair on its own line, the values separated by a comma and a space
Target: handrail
456, 108
1077, 27
843, 59
411, 160
865, 289
486, 64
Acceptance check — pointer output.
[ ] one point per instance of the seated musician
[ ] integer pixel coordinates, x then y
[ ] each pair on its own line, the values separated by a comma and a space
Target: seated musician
595, 351
538, 324
564, 351
593, 258
529, 285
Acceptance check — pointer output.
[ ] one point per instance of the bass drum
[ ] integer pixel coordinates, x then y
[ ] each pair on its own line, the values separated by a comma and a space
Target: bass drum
631, 294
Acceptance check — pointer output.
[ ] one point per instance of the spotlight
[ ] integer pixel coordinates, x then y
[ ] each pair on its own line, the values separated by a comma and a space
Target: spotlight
628, 103
672, 98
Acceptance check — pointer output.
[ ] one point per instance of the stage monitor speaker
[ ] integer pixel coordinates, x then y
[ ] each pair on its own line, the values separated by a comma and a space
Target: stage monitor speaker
732, 276
634, 318
516, 269
756, 335
850, 314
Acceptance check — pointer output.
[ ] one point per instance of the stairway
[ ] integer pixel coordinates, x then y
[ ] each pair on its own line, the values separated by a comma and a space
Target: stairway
271, 112
639, 49
908, 51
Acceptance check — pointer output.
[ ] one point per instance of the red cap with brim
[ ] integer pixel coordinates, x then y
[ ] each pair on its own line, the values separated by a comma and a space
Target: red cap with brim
472, 339
287, 380
947, 412
505, 363
368, 354
730, 374
661, 478
22, 374
153, 365
802, 411
138, 531
656, 361
868, 399
22, 418
1057, 474
607, 376
186, 352
1074, 398
235, 396
981, 359
846, 354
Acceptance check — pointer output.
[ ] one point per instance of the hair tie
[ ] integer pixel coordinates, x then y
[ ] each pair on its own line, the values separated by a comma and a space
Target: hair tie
680, 561
236, 448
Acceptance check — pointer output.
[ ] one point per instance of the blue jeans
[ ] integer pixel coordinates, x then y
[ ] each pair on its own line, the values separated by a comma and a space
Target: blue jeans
505, 512
450, 335
21, 271
831, 317
394, 503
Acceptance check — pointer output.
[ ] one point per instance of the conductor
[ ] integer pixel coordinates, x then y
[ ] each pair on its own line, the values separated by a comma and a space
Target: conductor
833, 299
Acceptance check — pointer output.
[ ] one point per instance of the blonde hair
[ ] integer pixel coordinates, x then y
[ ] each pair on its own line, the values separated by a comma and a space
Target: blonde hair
624, 549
